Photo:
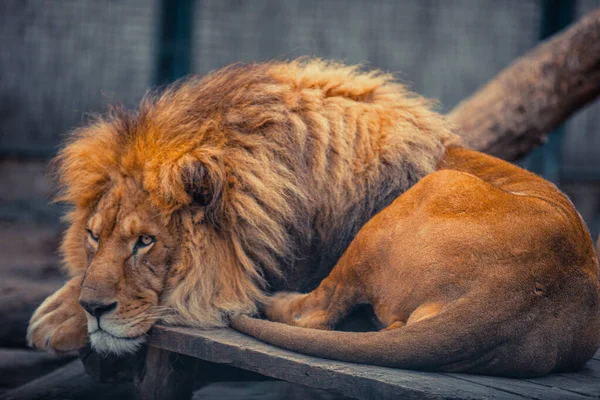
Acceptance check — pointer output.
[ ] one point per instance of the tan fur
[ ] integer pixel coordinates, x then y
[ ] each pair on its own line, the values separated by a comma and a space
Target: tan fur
255, 175
480, 267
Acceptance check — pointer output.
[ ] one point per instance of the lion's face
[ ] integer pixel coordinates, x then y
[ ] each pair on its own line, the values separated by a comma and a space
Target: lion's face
129, 249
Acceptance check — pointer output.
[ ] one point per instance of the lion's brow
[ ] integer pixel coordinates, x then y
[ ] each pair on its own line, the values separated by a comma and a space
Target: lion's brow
131, 224
95, 222
106, 214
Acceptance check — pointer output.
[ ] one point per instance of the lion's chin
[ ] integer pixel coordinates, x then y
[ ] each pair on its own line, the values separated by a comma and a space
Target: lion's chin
104, 343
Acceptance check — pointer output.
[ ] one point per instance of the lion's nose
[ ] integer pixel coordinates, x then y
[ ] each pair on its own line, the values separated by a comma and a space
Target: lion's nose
97, 309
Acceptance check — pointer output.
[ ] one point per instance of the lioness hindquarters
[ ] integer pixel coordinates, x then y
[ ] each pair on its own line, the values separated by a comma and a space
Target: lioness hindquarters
476, 277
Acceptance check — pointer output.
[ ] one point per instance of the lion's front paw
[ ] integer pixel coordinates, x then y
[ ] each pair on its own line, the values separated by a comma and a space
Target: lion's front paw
59, 323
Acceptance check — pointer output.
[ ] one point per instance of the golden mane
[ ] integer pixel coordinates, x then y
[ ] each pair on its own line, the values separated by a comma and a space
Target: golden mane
288, 158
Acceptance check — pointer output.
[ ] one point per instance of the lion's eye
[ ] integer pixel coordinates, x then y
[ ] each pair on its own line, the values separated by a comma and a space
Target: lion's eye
93, 238
144, 241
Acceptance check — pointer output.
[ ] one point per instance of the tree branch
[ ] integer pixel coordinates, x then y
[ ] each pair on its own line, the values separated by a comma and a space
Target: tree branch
512, 113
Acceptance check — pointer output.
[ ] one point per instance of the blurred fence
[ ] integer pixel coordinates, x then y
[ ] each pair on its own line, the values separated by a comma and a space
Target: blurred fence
62, 59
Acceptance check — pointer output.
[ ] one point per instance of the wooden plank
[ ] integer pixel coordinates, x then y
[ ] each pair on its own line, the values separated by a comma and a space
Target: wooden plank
19, 366
359, 381
18, 300
573, 382
165, 375
68, 382
592, 368
110, 368
269, 390
524, 388
580, 385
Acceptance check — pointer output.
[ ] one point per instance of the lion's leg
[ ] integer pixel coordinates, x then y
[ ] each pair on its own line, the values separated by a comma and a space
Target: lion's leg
323, 307
59, 323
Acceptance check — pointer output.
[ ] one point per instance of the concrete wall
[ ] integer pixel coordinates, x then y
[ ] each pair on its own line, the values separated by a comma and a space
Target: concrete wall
581, 142
63, 59
444, 48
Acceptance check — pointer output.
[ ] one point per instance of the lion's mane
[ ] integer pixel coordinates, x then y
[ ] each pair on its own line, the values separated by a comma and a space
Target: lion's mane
291, 158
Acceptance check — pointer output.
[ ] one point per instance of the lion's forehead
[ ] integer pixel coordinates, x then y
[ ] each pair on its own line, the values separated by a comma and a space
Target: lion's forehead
125, 207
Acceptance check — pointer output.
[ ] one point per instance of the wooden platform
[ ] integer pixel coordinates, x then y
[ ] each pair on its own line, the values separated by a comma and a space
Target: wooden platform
225, 346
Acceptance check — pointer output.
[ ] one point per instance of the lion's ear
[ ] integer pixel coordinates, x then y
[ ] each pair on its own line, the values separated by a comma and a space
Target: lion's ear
188, 180
203, 182
202, 188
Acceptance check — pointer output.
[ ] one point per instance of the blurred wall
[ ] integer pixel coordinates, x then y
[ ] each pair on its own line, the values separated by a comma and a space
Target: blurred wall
444, 49
581, 143
62, 59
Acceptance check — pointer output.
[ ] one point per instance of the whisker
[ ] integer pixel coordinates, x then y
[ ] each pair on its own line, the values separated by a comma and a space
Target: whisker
152, 315
153, 308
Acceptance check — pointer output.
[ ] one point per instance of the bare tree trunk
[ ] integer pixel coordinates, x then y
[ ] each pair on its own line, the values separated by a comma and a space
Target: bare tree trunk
512, 114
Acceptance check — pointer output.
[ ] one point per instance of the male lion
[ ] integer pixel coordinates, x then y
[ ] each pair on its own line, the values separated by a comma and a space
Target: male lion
262, 175
256, 177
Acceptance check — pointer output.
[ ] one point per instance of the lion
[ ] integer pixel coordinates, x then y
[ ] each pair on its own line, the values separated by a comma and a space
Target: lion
480, 267
331, 187
218, 191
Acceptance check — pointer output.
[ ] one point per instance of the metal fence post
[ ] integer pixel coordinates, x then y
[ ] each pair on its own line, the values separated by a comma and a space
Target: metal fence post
175, 40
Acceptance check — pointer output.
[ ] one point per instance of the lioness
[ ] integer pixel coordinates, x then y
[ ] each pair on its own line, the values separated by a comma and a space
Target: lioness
480, 267
256, 179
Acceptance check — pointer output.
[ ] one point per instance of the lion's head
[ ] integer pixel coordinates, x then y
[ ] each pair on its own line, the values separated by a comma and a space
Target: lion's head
181, 208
